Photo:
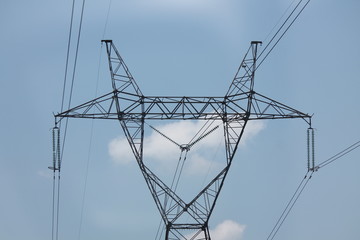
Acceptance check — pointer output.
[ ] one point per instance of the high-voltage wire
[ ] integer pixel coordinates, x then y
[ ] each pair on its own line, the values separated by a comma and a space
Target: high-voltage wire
338, 155
73, 72
55, 218
67, 55
107, 19
280, 29
303, 184
206, 126
57, 168
280, 19
289, 206
85, 180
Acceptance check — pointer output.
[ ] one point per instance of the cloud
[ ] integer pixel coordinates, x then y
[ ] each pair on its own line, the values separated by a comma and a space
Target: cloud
200, 165
228, 230
251, 130
120, 151
159, 149
164, 152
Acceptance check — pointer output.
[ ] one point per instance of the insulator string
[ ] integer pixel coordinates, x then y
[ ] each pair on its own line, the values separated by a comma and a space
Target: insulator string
54, 149
58, 150
308, 150
203, 135
311, 148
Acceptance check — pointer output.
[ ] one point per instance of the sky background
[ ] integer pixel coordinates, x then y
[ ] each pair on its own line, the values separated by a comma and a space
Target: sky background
185, 48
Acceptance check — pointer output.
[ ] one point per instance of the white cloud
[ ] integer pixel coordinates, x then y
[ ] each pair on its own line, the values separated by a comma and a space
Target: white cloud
198, 165
120, 151
163, 152
228, 230
251, 130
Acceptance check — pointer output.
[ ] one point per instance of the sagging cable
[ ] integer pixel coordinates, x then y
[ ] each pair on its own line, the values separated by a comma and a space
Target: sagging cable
290, 205
338, 155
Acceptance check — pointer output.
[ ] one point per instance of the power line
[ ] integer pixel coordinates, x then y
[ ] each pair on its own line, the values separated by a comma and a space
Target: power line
338, 155
71, 91
303, 184
289, 206
282, 34
86, 180
55, 204
67, 56
56, 200
278, 22
107, 19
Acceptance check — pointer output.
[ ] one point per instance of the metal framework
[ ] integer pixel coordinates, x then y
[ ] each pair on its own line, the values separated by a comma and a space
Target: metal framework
131, 108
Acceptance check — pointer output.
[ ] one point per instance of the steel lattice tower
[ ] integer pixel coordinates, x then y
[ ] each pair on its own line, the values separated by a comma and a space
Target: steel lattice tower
131, 108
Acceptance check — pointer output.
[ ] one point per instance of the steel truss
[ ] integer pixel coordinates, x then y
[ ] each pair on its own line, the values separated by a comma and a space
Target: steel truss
131, 108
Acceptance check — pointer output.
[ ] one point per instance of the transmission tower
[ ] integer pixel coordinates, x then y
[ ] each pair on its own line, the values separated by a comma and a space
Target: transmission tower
183, 220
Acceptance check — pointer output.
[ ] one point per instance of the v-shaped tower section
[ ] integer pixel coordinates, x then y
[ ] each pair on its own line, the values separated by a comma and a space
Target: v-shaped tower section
183, 220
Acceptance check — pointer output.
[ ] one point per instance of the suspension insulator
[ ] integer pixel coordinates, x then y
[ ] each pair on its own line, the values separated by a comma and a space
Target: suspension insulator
311, 149
56, 149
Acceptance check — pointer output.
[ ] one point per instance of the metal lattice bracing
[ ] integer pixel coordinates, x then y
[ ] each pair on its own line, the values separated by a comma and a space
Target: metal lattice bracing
132, 109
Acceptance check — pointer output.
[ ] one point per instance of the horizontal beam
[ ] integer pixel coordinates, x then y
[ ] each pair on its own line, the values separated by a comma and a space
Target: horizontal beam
182, 108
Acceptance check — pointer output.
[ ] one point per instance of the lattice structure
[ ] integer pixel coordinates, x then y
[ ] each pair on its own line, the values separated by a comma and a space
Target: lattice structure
132, 109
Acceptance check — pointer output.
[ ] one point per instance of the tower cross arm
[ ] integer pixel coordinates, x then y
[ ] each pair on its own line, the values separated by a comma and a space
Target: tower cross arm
125, 106
181, 108
263, 107
102, 107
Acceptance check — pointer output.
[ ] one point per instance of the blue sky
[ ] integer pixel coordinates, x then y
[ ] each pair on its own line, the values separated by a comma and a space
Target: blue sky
179, 48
